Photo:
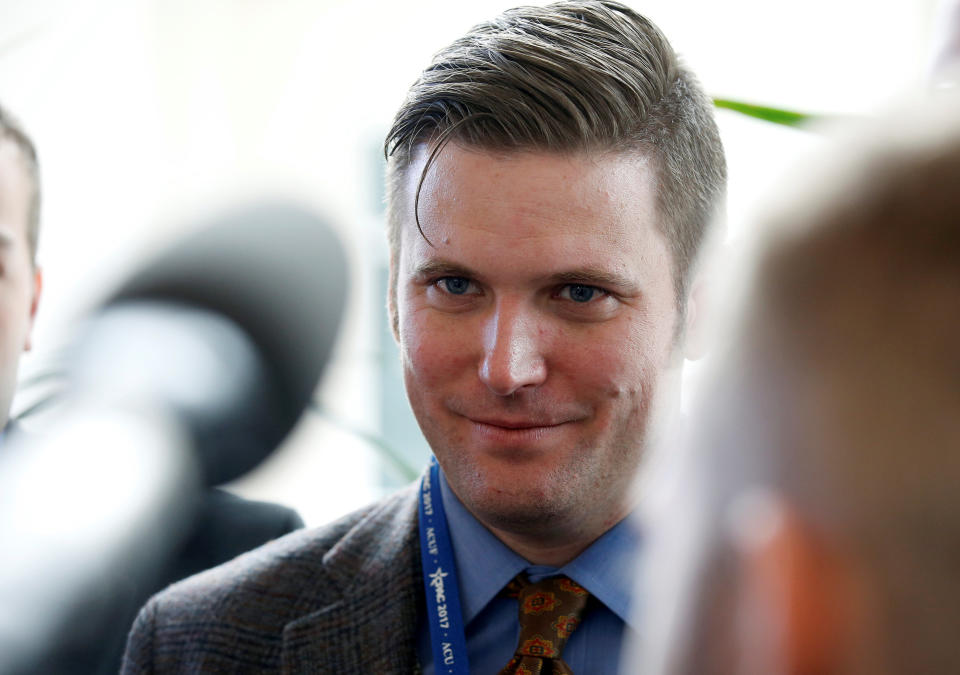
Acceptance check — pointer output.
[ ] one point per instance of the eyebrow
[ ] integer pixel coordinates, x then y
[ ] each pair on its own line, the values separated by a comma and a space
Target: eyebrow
594, 277
442, 268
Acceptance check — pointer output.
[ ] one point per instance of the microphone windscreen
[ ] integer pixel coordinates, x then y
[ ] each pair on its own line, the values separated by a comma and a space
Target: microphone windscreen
279, 273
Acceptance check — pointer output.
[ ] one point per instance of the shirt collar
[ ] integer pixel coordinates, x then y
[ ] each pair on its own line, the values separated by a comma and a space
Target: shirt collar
607, 568
472, 544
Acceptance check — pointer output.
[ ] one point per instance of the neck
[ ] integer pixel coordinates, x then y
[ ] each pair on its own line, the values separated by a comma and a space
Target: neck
537, 553
553, 543
554, 549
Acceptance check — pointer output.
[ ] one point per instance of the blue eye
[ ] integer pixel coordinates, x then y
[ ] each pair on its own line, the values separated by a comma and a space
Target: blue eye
581, 293
456, 285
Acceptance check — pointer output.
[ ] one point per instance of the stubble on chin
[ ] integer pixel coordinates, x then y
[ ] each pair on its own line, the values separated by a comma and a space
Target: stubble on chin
555, 503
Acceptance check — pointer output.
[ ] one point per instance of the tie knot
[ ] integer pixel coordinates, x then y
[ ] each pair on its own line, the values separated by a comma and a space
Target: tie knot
550, 611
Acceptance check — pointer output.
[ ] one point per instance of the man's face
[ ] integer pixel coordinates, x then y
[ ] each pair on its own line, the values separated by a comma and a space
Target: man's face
19, 281
536, 331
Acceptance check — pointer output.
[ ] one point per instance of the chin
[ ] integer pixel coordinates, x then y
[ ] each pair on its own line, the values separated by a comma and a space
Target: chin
521, 517
497, 502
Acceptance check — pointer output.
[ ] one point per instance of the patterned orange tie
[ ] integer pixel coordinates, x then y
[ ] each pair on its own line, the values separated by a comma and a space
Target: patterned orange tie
549, 613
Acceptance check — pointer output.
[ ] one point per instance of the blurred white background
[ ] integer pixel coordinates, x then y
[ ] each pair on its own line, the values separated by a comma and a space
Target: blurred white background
149, 113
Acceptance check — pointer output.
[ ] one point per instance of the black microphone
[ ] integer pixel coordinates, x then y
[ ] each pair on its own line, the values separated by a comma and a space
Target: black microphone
190, 374
264, 288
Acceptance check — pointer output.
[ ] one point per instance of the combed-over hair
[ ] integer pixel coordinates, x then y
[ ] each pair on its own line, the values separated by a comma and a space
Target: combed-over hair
569, 77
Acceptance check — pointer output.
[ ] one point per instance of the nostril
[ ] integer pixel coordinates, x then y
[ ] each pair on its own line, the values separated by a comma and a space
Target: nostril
505, 374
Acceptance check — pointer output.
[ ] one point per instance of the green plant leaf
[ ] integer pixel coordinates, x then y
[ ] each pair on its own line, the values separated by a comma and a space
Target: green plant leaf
403, 469
787, 118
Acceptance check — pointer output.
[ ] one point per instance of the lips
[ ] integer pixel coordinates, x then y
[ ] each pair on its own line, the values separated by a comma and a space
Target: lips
528, 421
517, 424
517, 437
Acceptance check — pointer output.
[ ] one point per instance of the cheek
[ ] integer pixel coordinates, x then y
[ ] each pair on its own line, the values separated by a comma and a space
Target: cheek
15, 310
625, 365
432, 354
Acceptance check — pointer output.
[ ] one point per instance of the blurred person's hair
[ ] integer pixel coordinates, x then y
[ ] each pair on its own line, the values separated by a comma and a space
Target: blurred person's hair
11, 129
571, 77
841, 388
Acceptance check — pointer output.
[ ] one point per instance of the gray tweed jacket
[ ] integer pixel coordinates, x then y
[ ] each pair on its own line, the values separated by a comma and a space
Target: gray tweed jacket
340, 599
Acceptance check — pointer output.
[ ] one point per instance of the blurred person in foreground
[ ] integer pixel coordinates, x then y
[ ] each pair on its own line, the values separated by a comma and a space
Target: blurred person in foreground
225, 525
20, 278
813, 520
551, 177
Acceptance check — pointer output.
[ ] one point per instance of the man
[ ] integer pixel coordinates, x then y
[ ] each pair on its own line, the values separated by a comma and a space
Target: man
815, 521
551, 177
20, 277
225, 525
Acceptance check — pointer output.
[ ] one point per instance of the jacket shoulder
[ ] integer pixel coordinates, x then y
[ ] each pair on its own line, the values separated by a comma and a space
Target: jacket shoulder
234, 615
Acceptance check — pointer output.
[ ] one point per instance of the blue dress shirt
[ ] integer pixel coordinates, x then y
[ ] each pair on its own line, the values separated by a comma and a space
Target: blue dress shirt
485, 565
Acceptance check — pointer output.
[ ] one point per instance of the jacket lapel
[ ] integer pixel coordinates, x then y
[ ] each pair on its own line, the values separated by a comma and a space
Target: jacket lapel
371, 594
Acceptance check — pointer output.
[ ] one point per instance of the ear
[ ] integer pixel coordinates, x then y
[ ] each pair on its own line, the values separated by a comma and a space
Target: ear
34, 304
789, 615
694, 329
392, 314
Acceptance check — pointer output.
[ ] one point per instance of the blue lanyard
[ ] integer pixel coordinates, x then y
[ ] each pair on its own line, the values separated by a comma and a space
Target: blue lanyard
440, 580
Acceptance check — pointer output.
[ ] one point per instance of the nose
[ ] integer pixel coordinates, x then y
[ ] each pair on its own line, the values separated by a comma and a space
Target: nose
512, 350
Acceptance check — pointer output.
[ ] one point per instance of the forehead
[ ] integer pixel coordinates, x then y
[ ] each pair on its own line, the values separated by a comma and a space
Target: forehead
15, 187
599, 207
